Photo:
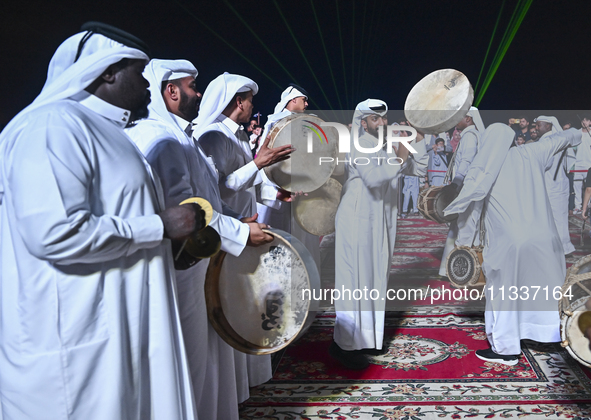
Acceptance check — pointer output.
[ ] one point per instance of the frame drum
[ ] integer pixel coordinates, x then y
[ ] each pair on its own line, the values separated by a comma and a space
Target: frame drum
439, 101
464, 267
316, 212
432, 201
254, 301
303, 170
577, 284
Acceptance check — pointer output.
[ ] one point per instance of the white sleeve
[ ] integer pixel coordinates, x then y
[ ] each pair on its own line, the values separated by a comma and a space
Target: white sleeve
233, 233
50, 192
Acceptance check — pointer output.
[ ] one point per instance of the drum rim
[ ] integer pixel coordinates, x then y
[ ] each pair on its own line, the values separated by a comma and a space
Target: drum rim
216, 315
563, 303
277, 128
297, 218
565, 322
477, 267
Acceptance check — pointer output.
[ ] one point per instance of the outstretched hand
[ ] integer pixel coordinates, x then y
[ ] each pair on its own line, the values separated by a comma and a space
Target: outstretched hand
267, 156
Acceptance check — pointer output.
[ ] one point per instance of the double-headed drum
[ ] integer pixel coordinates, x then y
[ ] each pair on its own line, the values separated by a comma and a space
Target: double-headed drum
432, 201
259, 302
439, 101
316, 212
575, 317
303, 171
464, 267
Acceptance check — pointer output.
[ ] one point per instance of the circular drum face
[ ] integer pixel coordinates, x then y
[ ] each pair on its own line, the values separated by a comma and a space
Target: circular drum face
316, 212
303, 171
439, 101
460, 267
254, 301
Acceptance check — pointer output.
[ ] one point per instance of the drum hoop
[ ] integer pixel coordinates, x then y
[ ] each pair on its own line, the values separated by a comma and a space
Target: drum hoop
565, 321
478, 273
216, 315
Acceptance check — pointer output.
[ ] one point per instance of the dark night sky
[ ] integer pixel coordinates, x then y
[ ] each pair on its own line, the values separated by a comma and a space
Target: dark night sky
401, 42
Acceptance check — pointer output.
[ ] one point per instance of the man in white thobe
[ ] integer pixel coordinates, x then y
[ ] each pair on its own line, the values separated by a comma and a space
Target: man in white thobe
227, 102
471, 127
523, 260
220, 379
274, 206
582, 162
89, 326
557, 181
366, 232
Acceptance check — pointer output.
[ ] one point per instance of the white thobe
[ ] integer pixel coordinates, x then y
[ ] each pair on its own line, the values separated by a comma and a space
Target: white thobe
523, 249
219, 373
582, 163
465, 154
89, 327
364, 241
238, 175
558, 191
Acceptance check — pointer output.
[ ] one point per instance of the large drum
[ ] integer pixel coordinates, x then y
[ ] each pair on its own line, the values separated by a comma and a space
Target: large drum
316, 212
574, 315
258, 302
439, 101
464, 267
432, 201
303, 171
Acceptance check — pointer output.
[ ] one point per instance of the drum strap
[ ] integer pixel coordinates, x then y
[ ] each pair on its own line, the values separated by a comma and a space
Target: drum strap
560, 164
482, 228
450, 166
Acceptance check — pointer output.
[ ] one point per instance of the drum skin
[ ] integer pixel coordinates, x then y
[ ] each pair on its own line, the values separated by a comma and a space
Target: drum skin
433, 200
439, 101
574, 311
316, 212
303, 170
254, 301
464, 267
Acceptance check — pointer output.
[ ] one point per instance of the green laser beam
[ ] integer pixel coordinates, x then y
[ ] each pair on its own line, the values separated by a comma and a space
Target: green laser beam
342, 55
326, 54
202, 23
513, 32
361, 45
303, 56
489, 45
233, 10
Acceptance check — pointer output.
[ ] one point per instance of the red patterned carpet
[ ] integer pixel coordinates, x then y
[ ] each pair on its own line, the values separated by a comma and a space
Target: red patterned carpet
430, 370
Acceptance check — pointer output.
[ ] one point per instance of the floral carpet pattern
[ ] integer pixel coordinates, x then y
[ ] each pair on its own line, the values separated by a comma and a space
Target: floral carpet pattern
430, 370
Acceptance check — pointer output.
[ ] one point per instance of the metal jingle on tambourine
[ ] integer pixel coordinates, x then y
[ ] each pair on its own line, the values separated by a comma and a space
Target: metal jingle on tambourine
204, 244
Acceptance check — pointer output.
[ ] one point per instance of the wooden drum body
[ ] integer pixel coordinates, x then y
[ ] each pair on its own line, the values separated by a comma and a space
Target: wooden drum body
432, 201
254, 301
303, 170
464, 267
439, 101
574, 314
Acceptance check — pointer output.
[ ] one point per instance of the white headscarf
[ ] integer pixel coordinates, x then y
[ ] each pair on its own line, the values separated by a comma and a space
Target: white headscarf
484, 169
158, 71
287, 95
363, 109
556, 128
218, 95
475, 114
67, 76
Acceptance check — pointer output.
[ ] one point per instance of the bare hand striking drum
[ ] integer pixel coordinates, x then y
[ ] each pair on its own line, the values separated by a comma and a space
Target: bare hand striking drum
303, 170
574, 315
254, 301
439, 101
316, 212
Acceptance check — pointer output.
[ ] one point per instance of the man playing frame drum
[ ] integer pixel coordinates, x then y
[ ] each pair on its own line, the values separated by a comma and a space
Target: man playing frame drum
523, 252
365, 234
